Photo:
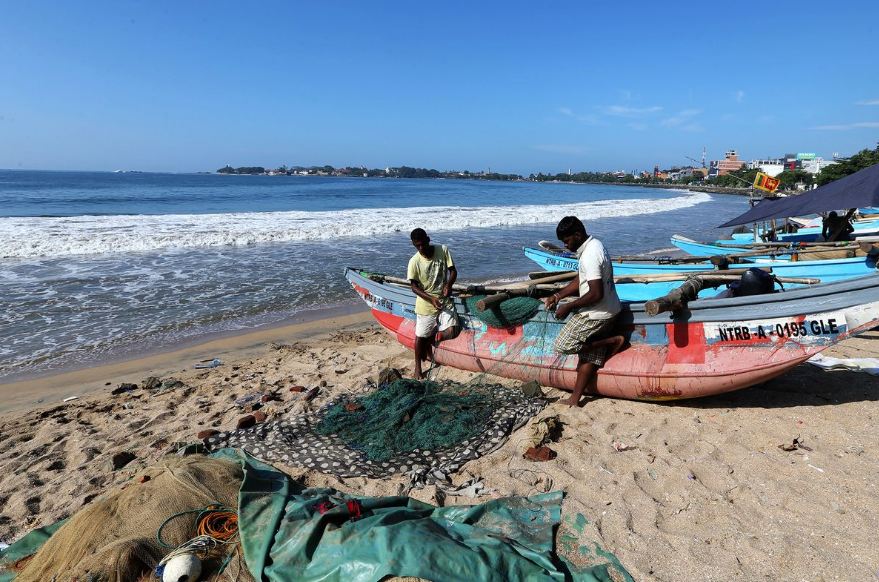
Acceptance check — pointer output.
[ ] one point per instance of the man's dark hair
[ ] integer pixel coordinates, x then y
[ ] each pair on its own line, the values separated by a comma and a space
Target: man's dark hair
418, 234
569, 225
832, 214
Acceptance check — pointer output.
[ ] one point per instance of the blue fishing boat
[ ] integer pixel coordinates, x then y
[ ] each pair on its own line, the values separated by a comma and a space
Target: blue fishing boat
809, 233
827, 270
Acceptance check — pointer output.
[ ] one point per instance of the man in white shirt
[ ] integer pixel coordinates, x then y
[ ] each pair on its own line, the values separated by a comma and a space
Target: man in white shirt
593, 312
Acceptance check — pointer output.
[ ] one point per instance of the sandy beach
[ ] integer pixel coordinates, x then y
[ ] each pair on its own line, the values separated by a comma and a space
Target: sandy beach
693, 490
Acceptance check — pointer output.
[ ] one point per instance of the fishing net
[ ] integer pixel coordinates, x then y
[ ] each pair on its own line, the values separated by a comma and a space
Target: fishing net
407, 415
113, 539
508, 313
439, 426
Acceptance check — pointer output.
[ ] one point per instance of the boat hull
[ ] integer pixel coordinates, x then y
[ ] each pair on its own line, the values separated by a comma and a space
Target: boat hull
716, 346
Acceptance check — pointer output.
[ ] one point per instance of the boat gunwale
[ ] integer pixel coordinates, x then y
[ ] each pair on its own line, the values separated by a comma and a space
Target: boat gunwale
820, 298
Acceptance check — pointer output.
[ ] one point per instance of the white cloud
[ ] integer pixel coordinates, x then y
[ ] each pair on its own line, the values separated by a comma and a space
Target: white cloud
868, 102
847, 126
740, 96
680, 118
626, 111
587, 119
562, 149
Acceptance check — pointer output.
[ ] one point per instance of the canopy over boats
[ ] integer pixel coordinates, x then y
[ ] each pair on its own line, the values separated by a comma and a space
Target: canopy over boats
709, 347
853, 191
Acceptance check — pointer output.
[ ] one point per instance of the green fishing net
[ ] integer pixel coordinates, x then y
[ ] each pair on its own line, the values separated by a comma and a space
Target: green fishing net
508, 313
406, 415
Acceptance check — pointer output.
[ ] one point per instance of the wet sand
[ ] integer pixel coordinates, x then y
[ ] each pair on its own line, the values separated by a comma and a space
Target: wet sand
692, 490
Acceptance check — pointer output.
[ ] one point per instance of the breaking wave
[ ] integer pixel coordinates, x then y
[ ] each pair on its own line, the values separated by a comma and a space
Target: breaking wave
27, 237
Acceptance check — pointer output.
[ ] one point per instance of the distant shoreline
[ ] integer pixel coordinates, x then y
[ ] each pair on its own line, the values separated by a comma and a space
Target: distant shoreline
690, 187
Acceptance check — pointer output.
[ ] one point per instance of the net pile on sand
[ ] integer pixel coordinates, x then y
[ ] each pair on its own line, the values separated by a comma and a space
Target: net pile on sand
424, 429
408, 415
114, 539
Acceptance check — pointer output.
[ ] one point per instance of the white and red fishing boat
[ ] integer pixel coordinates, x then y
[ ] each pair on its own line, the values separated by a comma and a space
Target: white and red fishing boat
709, 347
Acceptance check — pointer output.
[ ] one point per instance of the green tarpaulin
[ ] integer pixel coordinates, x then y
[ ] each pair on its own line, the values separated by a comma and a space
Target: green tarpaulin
289, 533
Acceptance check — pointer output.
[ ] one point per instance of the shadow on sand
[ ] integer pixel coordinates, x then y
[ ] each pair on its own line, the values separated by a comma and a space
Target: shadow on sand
805, 385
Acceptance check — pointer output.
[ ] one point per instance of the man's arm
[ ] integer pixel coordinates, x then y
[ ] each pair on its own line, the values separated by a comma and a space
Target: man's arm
416, 287
571, 288
849, 228
594, 295
450, 280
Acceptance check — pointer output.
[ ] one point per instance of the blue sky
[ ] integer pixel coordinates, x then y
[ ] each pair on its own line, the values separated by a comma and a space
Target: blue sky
511, 86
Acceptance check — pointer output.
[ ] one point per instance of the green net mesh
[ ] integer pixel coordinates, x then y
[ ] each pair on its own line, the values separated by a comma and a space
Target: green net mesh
508, 313
406, 415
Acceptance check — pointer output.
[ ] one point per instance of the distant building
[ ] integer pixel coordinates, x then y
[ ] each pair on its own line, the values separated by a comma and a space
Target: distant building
815, 165
770, 167
729, 163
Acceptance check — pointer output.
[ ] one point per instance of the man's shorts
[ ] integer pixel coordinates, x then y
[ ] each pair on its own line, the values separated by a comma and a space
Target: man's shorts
428, 325
580, 330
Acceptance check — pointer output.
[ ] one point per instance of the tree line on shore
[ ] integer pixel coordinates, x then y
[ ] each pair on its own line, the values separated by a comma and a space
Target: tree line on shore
739, 179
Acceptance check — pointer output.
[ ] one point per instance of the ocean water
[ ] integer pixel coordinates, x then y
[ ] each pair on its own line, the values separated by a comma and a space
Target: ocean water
99, 266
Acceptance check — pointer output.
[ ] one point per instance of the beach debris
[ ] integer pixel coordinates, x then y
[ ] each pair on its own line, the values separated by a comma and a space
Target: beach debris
539, 454
531, 389
388, 375
123, 388
144, 478
203, 434
311, 394
171, 384
209, 364
341, 370
297, 388
545, 430
270, 397
796, 444
620, 446
120, 459
819, 469
353, 406
152, 383
245, 421
323, 384
70, 398
248, 399
473, 487
260, 416
868, 365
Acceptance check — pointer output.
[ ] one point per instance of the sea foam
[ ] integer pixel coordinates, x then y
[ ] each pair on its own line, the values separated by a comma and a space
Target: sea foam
28, 237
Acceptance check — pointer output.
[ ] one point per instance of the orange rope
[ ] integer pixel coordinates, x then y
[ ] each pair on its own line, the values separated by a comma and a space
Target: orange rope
220, 525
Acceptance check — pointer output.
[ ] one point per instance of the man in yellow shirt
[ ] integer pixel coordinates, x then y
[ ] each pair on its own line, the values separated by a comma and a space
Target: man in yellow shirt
431, 274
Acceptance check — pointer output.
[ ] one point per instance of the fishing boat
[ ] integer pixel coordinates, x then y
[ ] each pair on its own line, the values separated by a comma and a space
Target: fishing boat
702, 249
709, 347
868, 227
827, 270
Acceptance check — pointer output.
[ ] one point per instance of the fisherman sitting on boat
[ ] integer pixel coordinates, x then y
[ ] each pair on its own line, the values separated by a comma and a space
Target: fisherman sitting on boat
593, 311
431, 274
836, 228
